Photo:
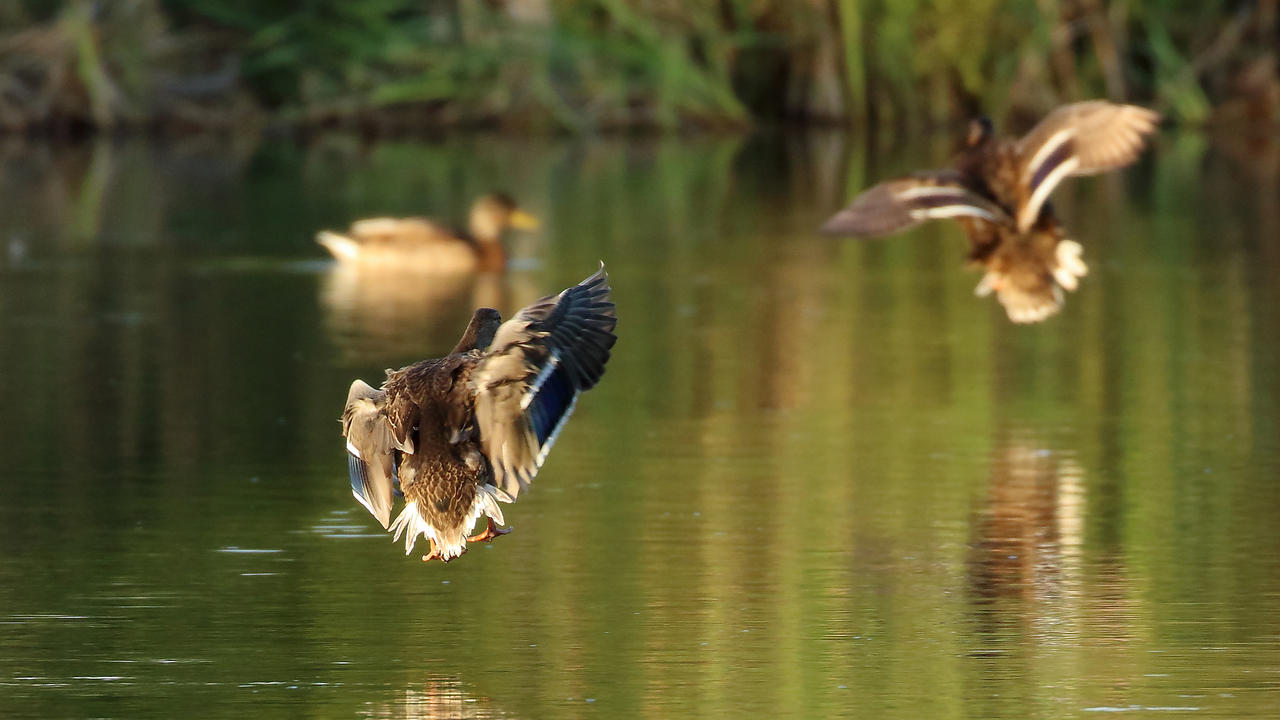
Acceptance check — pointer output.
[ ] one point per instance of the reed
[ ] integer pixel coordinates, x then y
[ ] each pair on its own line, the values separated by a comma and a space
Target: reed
598, 64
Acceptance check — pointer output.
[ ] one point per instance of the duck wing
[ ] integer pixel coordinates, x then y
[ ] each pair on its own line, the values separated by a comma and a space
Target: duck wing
372, 444
1078, 139
526, 385
904, 202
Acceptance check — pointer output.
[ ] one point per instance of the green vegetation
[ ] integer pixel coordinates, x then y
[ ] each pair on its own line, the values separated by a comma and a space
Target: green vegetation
591, 64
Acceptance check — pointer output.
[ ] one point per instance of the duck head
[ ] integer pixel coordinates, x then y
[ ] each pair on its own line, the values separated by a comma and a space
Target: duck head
493, 213
980, 130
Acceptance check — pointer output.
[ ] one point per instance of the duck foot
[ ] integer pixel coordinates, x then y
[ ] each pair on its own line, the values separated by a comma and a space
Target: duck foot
490, 532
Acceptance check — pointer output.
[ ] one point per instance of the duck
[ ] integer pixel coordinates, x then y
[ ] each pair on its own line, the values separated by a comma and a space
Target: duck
458, 435
998, 191
418, 243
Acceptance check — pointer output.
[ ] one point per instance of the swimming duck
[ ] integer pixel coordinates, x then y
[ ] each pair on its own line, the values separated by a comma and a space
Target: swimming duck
462, 433
998, 191
422, 244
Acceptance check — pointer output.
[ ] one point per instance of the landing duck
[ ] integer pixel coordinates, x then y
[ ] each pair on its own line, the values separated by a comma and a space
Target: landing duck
998, 190
461, 434
422, 244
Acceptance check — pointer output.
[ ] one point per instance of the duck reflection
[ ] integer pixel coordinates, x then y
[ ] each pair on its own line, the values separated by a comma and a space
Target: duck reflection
1023, 560
1037, 604
1029, 526
438, 698
377, 314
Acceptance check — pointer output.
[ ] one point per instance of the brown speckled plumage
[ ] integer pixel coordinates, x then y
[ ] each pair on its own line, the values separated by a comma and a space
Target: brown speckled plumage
466, 431
998, 191
441, 476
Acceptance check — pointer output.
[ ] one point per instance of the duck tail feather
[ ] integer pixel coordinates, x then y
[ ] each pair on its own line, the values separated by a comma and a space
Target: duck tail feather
341, 246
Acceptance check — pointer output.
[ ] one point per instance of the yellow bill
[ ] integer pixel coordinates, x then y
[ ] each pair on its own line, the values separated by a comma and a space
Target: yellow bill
522, 220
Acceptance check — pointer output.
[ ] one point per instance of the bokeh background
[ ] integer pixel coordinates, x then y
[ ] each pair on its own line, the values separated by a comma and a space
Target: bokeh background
593, 64
819, 478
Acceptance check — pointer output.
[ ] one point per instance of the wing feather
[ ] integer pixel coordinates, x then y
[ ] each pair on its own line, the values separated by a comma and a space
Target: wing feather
528, 383
904, 202
1079, 139
371, 448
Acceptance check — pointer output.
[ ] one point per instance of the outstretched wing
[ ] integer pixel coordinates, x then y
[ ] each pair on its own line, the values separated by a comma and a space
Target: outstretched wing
1079, 139
371, 448
901, 203
539, 362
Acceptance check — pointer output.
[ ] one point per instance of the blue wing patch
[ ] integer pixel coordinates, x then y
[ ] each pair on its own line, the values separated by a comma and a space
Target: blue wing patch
552, 403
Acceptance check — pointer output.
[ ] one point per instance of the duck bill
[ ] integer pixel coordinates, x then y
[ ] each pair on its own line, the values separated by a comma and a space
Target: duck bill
522, 220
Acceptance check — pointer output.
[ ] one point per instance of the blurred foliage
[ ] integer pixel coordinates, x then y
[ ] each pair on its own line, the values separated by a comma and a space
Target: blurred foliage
587, 64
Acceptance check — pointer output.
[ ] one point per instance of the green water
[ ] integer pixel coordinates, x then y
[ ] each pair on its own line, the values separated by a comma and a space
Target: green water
819, 479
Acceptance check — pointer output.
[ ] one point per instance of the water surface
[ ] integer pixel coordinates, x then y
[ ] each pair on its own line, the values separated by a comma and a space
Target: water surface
820, 478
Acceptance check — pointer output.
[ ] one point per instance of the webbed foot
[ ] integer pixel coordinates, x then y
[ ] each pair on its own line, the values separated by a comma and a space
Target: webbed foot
490, 532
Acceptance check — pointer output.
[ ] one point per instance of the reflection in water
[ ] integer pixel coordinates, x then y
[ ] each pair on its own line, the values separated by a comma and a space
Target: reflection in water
376, 315
771, 510
1016, 570
106, 192
1031, 603
58, 195
1030, 519
438, 698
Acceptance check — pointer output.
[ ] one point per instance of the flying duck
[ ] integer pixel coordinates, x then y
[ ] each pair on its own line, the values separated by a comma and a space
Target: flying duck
463, 433
998, 190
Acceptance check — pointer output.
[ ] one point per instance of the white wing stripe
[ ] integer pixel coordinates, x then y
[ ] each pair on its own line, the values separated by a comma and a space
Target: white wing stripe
1031, 210
912, 193
950, 211
365, 503
555, 433
532, 392
1049, 147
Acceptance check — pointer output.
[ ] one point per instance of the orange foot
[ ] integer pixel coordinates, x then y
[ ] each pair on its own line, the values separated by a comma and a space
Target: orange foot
490, 532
